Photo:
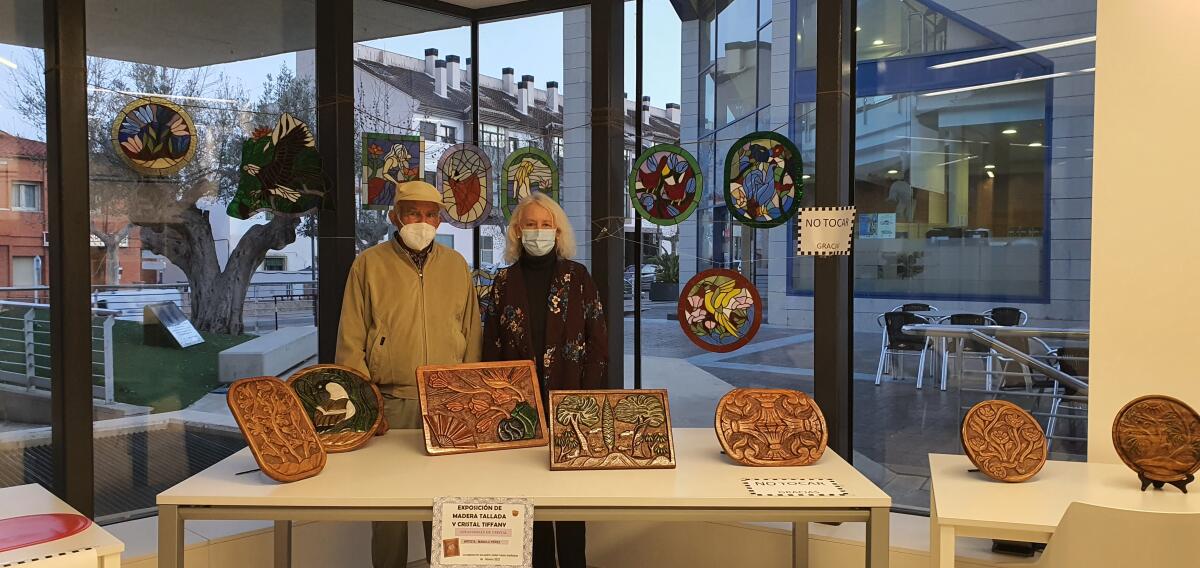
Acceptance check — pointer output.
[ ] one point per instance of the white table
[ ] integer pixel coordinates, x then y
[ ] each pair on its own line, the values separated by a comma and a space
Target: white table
33, 499
963, 503
391, 479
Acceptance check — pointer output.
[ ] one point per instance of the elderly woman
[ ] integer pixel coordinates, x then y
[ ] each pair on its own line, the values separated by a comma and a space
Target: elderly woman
545, 307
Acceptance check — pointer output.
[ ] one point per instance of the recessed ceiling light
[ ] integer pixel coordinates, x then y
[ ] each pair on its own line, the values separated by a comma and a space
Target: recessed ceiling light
858, 28
805, 176
7, 63
990, 167
877, 42
893, 171
991, 175
1009, 131
1035, 144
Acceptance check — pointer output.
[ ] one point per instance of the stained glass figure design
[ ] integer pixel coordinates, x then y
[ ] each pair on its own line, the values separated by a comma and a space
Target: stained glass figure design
476, 407
527, 170
464, 176
719, 310
763, 185
610, 429
345, 408
154, 136
389, 159
281, 171
665, 184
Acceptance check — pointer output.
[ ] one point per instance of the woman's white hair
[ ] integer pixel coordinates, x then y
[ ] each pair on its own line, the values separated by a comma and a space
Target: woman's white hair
566, 235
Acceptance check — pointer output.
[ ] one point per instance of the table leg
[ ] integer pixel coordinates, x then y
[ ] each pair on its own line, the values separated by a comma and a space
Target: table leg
877, 537
941, 539
283, 544
110, 561
170, 537
800, 545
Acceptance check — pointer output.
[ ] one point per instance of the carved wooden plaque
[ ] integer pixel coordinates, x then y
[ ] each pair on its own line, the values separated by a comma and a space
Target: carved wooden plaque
610, 429
1004, 441
280, 436
477, 407
345, 408
1159, 438
771, 427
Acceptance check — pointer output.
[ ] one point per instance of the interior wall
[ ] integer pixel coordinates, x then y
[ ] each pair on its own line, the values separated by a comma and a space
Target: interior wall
1144, 264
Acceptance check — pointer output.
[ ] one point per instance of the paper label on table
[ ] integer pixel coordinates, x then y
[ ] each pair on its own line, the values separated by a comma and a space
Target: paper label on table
793, 487
825, 231
474, 532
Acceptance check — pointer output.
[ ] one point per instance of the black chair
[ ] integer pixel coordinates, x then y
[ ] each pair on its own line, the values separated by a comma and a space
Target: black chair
970, 348
915, 307
898, 343
1008, 316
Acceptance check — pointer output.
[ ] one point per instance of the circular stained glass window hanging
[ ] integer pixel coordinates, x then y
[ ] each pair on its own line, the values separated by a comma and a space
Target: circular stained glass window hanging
154, 136
665, 184
464, 176
763, 185
527, 170
719, 310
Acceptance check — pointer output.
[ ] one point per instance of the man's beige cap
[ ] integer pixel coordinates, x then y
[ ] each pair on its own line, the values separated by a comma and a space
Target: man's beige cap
417, 191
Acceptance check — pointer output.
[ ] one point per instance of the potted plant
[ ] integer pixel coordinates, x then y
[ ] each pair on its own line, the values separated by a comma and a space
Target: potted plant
665, 288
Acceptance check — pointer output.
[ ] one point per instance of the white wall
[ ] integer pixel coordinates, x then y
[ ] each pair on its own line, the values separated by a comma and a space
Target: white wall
1144, 264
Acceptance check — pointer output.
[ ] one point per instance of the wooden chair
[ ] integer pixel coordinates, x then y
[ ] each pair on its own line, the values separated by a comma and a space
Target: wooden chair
1090, 535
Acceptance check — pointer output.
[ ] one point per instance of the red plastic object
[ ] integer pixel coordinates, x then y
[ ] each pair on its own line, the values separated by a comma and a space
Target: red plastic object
18, 532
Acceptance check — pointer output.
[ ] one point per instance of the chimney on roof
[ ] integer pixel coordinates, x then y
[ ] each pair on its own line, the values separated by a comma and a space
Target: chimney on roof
645, 114
467, 71
453, 77
507, 75
523, 97
439, 78
673, 112
552, 95
430, 56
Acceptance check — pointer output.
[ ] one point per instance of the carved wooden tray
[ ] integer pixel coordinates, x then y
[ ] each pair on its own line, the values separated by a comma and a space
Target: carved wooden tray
345, 408
1004, 441
1159, 438
280, 436
610, 429
477, 407
771, 427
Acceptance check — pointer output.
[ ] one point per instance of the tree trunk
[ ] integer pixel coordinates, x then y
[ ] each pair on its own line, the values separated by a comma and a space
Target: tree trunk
583, 441
112, 252
217, 296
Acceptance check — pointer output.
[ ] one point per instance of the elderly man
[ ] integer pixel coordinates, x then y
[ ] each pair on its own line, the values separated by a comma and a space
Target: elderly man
409, 302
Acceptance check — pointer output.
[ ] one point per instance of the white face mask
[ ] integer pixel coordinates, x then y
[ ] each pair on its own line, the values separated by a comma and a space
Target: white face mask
538, 242
417, 236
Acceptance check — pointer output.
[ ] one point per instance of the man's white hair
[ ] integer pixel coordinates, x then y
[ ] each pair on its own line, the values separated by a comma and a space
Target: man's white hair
566, 235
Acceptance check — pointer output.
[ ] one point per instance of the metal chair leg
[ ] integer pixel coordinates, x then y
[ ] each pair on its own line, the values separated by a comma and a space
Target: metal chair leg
883, 357
921, 370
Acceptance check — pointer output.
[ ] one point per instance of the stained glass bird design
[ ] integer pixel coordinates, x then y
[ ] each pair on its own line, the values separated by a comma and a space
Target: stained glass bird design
335, 406
665, 182
280, 177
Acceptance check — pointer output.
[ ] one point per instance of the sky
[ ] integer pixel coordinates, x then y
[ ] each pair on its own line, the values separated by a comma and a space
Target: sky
532, 46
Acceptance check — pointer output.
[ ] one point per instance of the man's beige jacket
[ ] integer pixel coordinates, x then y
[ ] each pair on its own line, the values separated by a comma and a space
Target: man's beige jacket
396, 318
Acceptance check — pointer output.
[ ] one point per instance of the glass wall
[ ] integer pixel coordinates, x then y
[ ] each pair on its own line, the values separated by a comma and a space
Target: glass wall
25, 444
185, 129
972, 183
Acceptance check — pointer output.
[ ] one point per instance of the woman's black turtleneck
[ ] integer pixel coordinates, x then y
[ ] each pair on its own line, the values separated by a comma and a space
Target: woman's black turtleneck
538, 271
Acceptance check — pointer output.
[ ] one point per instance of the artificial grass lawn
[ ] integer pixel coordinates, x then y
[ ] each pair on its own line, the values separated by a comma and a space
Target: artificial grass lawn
166, 378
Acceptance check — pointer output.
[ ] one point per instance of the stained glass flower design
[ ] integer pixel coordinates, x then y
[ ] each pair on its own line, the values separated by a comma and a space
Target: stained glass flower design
719, 310
763, 184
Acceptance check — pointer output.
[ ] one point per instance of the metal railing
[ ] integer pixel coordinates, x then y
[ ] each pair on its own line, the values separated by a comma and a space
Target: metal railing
25, 347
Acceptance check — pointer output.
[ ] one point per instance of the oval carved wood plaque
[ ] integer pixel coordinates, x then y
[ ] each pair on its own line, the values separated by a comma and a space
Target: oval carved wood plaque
1004, 441
345, 408
771, 427
280, 435
1159, 438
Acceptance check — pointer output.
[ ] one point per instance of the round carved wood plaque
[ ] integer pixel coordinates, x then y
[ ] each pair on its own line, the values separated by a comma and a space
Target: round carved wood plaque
771, 427
1158, 437
1004, 441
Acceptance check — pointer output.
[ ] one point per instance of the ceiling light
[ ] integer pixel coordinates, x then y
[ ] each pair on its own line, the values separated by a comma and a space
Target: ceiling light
1009, 131
1016, 52
1035, 144
1010, 82
877, 42
893, 172
7, 63
990, 167
991, 174
857, 28
164, 95
805, 176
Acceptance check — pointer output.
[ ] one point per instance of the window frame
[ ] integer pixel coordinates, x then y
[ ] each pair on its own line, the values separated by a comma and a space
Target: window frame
17, 196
